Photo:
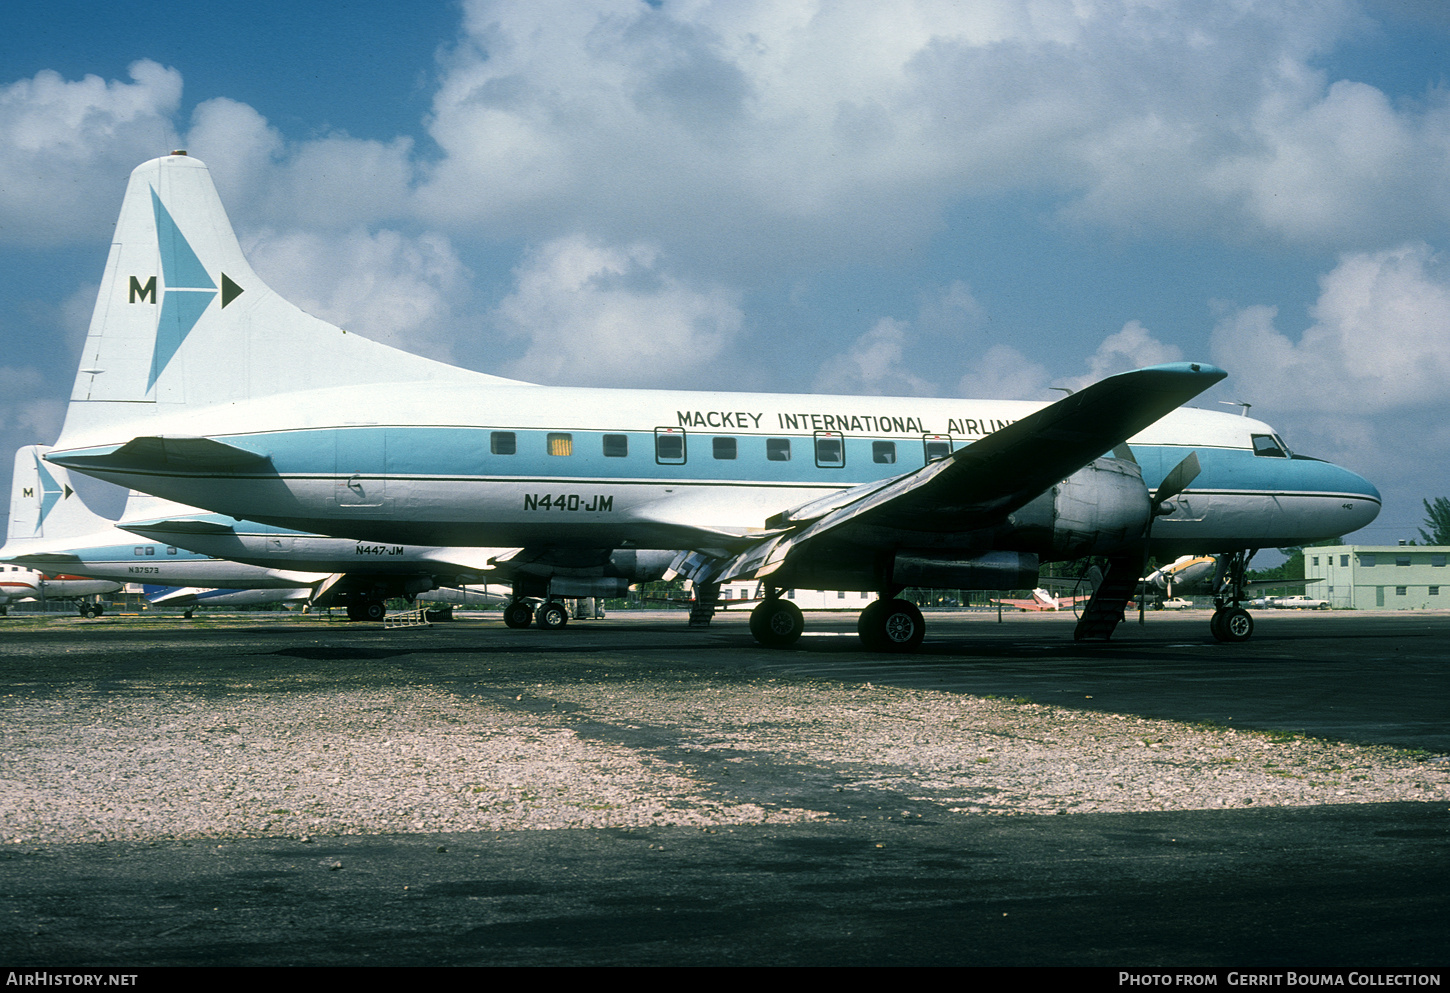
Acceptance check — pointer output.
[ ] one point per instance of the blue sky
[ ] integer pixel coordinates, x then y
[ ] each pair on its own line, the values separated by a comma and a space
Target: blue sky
964, 199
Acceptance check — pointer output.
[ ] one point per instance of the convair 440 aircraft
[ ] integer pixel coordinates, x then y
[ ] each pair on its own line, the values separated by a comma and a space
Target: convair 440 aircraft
201, 385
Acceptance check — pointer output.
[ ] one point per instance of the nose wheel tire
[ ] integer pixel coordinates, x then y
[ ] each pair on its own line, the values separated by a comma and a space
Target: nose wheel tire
777, 623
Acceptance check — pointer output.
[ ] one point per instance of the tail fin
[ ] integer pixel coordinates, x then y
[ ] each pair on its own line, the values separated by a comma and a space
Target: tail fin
43, 505
181, 319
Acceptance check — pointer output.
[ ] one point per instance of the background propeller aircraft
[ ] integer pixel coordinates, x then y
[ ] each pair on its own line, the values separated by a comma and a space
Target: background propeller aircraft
1043, 600
211, 390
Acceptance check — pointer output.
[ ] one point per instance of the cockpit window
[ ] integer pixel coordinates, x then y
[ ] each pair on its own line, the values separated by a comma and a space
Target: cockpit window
1271, 446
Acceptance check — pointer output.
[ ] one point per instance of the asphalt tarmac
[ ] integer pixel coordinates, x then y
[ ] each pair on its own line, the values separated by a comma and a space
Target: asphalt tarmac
1360, 886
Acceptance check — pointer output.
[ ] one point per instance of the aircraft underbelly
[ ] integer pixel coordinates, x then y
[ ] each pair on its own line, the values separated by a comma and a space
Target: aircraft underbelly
485, 512
207, 573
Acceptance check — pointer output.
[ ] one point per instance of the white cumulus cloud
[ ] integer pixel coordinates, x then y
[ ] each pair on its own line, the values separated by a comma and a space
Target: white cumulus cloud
401, 291
600, 315
67, 147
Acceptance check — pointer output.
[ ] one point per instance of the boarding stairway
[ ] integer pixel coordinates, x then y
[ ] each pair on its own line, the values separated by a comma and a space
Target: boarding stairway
1104, 611
702, 610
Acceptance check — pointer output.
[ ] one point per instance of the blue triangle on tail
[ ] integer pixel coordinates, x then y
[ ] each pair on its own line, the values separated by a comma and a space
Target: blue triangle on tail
179, 264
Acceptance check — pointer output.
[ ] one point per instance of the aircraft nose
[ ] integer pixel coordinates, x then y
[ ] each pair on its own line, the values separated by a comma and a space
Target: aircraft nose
1359, 500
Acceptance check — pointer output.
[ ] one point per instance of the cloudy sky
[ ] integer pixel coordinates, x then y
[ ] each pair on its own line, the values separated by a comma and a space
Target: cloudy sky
956, 199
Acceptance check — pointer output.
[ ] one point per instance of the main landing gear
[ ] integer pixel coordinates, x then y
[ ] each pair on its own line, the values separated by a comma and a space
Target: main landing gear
370, 609
776, 623
889, 624
549, 616
1230, 621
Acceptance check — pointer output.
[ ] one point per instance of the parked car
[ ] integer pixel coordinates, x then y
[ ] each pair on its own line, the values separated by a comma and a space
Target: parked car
1177, 603
1302, 603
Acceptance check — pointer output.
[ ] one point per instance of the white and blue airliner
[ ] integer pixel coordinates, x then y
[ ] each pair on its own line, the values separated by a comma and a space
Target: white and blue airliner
201, 385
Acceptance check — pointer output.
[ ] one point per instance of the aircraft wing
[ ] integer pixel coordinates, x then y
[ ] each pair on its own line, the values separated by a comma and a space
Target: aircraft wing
980, 484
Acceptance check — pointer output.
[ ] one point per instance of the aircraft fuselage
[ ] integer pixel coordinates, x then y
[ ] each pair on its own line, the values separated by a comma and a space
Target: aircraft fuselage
514, 464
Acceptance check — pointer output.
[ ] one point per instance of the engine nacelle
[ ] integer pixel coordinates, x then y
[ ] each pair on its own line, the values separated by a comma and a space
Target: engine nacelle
944, 570
569, 574
1102, 509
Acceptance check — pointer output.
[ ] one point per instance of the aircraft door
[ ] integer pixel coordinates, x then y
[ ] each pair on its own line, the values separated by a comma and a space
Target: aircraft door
361, 464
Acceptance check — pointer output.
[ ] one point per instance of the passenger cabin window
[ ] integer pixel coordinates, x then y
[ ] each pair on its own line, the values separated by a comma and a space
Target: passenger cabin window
616, 446
777, 449
1270, 446
883, 452
937, 447
502, 442
670, 446
830, 450
723, 448
561, 444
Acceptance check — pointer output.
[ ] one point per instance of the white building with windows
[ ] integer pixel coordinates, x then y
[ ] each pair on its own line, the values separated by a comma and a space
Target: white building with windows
1392, 577
804, 599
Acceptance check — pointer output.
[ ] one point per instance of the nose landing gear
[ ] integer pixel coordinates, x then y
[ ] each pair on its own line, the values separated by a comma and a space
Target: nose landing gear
1231, 622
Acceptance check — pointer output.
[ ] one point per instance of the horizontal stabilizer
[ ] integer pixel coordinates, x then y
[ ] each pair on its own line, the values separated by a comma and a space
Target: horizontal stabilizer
203, 455
183, 526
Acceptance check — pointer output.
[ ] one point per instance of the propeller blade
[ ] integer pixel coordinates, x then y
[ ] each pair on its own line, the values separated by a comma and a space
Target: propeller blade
1177, 480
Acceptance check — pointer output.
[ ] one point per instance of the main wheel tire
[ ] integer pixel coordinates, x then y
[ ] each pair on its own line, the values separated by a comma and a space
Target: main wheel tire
98, 610
518, 614
777, 623
900, 626
373, 610
868, 626
552, 616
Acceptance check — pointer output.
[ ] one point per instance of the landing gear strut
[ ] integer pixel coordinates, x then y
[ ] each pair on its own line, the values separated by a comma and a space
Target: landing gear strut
1230, 621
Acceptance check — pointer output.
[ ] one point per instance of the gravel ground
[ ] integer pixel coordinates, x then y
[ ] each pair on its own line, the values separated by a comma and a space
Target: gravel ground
86, 764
